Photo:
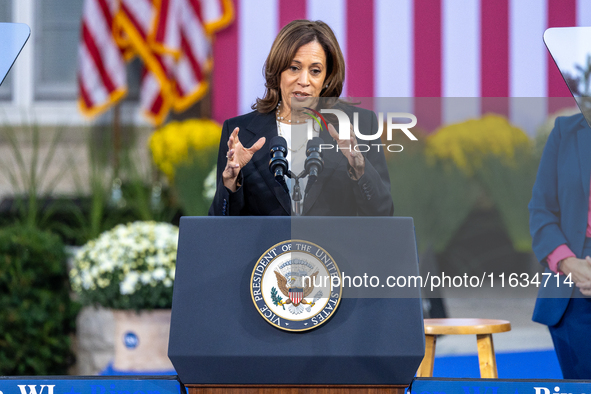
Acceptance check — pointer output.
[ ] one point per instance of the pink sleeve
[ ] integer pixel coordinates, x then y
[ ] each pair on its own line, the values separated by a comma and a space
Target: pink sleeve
560, 253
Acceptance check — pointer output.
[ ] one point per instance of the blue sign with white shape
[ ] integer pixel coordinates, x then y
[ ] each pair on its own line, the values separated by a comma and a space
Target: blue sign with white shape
130, 340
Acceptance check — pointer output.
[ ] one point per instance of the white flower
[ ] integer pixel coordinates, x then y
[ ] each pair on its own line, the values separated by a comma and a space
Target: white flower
128, 284
159, 273
126, 288
86, 280
145, 278
160, 243
151, 261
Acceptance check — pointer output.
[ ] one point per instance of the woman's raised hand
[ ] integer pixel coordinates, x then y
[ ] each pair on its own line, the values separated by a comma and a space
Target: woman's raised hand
238, 156
355, 158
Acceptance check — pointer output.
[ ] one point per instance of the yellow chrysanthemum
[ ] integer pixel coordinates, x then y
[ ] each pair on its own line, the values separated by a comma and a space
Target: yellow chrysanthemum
177, 142
466, 144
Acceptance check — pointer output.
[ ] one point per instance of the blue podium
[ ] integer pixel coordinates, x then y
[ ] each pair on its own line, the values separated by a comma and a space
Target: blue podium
371, 339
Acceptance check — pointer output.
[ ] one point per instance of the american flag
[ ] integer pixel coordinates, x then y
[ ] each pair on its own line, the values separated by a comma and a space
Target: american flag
140, 20
101, 68
171, 37
403, 48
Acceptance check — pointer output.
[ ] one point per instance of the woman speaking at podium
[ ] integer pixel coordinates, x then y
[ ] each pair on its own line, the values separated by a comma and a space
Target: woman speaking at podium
305, 63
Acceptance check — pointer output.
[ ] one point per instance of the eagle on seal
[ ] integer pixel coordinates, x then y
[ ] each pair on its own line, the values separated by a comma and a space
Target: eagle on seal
295, 295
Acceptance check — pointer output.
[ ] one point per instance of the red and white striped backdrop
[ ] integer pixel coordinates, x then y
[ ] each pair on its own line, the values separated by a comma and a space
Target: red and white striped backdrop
406, 48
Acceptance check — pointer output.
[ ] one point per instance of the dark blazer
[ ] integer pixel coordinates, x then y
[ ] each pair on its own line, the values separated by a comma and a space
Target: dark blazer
559, 205
334, 193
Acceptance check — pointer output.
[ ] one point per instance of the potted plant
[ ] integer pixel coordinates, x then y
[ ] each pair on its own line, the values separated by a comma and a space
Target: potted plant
186, 152
130, 269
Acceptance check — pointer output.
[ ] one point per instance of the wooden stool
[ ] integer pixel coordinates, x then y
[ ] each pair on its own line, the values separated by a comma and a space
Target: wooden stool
482, 328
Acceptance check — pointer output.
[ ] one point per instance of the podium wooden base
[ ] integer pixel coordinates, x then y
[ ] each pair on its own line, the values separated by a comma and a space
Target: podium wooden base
300, 389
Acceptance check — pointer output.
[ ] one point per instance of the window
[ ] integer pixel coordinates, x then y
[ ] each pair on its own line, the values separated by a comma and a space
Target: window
57, 25
6, 16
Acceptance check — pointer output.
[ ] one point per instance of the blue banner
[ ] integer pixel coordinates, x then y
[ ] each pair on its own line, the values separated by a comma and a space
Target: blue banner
90, 385
497, 386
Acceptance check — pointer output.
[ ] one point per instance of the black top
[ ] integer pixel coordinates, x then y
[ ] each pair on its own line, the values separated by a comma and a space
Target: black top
334, 193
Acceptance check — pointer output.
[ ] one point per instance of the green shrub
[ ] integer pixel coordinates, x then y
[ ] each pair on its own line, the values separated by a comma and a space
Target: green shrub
36, 314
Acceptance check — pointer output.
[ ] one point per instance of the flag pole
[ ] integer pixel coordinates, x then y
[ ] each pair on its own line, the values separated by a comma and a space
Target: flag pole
116, 138
117, 200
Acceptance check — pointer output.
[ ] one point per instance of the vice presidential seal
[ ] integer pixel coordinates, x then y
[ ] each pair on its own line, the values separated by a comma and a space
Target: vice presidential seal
292, 285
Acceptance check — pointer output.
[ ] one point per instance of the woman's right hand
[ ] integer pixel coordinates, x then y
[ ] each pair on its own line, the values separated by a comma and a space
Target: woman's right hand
238, 156
580, 271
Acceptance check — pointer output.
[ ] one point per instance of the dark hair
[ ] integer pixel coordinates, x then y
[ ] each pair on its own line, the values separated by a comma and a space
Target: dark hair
293, 36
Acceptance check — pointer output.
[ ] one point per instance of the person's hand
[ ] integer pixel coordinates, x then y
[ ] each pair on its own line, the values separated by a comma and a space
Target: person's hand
355, 158
238, 156
580, 270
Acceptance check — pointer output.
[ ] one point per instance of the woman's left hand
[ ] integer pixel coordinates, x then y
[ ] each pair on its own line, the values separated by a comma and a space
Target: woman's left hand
354, 157
582, 281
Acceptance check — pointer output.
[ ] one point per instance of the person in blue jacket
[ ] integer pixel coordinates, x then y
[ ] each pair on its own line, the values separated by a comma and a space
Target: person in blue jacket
560, 225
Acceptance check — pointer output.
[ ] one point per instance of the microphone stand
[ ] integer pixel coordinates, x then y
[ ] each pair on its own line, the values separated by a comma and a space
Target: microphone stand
296, 195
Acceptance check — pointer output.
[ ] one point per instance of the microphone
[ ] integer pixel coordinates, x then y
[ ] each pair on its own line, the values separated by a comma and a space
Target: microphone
278, 164
314, 163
